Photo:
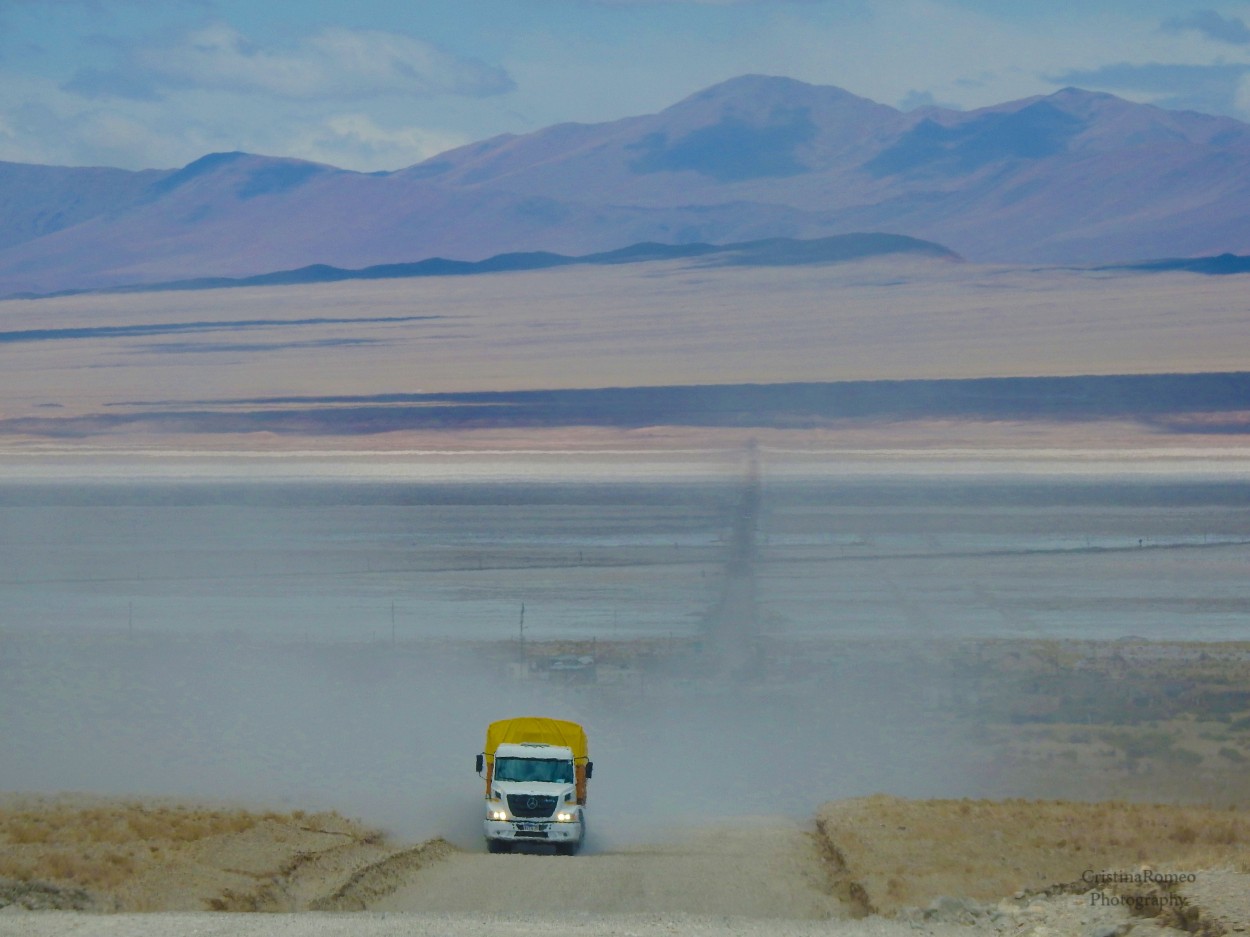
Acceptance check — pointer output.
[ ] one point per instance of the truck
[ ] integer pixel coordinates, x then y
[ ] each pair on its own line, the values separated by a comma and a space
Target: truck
536, 771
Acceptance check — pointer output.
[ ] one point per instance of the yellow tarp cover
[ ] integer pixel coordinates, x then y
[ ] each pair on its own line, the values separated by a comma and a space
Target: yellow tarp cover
536, 729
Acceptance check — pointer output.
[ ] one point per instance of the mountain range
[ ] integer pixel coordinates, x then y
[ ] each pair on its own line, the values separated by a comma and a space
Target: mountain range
770, 252
1073, 177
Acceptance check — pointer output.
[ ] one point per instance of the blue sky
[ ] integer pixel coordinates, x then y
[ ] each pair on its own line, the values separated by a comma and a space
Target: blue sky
382, 84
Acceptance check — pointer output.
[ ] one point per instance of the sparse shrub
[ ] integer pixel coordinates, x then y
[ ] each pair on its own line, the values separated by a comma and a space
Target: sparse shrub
1224, 835
11, 867
66, 866
1185, 835
26, 832
1232, 755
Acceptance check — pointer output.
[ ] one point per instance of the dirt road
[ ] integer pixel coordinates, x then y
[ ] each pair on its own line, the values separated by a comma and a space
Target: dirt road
762, 877
56, 924
758, 869
732, 625
759, 877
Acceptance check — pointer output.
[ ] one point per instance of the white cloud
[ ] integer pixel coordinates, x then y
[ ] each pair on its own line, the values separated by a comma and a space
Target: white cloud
40, 123
1209, 88
369, 99
904, 51
334, 64
885, 53
1212, 25
356, 141
965, 56
119, 135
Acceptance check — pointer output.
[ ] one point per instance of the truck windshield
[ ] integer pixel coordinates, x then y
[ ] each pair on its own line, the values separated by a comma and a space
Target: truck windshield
534, 769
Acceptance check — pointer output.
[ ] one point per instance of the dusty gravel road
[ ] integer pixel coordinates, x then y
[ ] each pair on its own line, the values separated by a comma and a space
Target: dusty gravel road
759, 878
456, 925
758, 869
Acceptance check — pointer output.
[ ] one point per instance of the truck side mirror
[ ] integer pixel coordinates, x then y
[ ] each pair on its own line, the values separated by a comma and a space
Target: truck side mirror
481, 763
590, 769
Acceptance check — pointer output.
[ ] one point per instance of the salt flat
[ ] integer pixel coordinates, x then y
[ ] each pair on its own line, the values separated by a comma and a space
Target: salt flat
903, 556
642, 325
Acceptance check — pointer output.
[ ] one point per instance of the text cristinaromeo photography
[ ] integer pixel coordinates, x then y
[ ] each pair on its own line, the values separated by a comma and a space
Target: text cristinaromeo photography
1155, 889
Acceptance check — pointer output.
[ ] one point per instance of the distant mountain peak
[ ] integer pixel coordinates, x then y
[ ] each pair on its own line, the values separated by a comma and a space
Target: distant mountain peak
772, 89
756, 84
248, 174
1069, 177
211, 161
1073, 93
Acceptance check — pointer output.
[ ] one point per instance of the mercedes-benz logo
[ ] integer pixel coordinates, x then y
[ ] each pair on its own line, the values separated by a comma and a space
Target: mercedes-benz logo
531, 803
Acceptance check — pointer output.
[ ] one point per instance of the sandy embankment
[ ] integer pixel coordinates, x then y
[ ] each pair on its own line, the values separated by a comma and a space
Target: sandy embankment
1000, 857
872, 866
100, 854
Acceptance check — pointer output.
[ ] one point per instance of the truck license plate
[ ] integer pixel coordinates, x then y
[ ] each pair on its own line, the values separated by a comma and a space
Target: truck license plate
532, 827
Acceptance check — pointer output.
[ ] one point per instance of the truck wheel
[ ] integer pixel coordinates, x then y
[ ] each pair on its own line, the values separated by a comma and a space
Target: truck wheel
498, 845
567, 849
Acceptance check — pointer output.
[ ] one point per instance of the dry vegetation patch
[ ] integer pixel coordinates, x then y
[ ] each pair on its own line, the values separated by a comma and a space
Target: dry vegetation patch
1108, 720
126, 855
905, 854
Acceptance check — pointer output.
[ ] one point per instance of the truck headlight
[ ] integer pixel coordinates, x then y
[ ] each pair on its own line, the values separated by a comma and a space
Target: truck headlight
496, 814
564, 816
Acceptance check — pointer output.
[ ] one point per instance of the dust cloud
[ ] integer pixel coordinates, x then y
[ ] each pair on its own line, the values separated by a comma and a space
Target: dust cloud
388, 734
800, 632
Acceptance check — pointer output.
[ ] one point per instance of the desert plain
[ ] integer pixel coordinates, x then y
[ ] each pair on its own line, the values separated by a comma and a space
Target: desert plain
914, 592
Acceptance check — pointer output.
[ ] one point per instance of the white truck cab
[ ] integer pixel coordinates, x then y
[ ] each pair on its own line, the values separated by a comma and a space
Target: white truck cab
535, 790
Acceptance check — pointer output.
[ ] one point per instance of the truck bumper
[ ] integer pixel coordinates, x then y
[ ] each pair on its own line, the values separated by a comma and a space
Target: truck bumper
533, 831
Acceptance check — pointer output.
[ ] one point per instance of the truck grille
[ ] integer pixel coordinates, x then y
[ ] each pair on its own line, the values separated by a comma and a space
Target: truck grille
531, 805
